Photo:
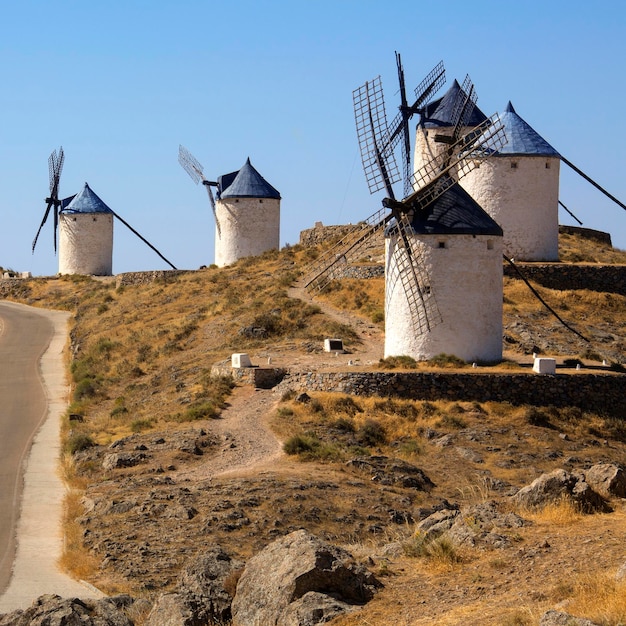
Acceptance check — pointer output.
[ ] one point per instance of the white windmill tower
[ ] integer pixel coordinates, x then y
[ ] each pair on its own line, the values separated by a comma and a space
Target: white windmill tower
443, 271
85, 223
86, 235
247, 210
519, 188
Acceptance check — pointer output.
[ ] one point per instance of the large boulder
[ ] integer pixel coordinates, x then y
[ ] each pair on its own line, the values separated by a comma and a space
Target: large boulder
553, 487
273, 584
52, 610
608, 479
203, 594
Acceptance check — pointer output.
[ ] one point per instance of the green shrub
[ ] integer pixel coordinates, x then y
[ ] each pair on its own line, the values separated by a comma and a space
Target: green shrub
347, 405
140, 425
446, 360
201, 411
77, 442
86, 388
371, 433
395, 362
300, 443
344, 425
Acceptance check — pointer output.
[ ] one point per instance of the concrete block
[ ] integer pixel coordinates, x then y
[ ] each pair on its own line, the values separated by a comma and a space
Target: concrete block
544, 365
333, 345
240, 359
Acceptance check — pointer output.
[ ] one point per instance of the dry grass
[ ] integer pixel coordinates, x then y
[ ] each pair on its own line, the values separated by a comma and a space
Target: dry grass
599, 597
75, 559
565, 512
141, 363
576, 249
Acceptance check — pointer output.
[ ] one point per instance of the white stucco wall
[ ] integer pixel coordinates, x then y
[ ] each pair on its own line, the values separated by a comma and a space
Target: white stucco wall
523, 200
86, 244
427, 149
466, 281
248, 227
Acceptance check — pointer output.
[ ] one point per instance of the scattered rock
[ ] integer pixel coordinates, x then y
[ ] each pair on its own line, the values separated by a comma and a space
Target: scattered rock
201, 595
608, 479
552, 487
291, 567
557, 618
122, 459
52, 610
388, 471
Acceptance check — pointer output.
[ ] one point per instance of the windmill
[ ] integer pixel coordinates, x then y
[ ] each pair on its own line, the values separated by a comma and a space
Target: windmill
192, 166
85, 245
462, 150
246, 211
55, 166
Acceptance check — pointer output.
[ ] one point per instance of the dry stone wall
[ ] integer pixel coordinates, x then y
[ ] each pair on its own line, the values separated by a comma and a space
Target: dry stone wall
603, 393
603, 278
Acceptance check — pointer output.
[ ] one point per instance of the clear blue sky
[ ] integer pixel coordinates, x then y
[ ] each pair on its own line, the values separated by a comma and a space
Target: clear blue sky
121, 84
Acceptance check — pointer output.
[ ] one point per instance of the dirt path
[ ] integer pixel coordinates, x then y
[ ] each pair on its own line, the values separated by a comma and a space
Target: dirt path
247, 443
371, 337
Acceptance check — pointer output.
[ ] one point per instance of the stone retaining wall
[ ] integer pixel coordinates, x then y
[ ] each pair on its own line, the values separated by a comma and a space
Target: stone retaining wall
606, 278
588, 233
603, 393
146, 278
259, 377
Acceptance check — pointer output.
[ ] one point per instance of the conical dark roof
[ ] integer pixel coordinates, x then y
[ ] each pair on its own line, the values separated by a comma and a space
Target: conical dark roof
86, 201
440, 112
455, 212
521, 138
246, 183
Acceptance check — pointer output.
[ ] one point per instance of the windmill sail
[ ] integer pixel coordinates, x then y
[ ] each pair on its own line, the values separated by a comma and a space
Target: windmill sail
377, 143
192, 166
55, 167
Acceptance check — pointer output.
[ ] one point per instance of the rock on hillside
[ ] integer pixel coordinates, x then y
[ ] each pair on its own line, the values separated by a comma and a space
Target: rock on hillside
300, 579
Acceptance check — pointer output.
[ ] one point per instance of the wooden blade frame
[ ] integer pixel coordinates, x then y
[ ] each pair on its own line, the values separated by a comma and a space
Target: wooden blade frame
55, 167
379, 164
437, 176
192, 166
332, 263
409, 270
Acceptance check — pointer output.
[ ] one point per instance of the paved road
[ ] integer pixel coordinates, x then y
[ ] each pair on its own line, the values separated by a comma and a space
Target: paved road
33, 396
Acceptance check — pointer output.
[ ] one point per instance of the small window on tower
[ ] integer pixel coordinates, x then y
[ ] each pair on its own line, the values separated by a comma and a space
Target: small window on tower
442, 244
489, 244
513, 165
547, 165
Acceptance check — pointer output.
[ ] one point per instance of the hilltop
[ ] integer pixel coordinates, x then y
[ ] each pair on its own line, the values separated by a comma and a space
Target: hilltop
165, 458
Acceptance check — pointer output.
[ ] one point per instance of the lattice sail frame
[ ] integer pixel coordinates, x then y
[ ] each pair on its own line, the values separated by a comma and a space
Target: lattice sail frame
55, 167
193, 167
377, 142
377, 154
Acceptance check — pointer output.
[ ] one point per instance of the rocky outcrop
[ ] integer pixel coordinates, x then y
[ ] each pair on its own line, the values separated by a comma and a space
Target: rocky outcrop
201, 595
274, 583
481, 525
557, 618
52, 610
553, 487
390, 471
608, 479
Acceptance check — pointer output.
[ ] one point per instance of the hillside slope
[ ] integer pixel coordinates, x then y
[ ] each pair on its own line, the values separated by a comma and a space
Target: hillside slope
157, 447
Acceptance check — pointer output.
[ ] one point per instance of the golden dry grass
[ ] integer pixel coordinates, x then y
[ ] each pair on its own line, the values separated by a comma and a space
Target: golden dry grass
146, 351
